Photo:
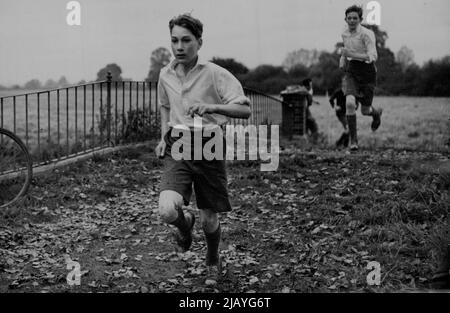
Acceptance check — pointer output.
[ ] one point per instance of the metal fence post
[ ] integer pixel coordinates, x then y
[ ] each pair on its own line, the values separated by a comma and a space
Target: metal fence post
108, 107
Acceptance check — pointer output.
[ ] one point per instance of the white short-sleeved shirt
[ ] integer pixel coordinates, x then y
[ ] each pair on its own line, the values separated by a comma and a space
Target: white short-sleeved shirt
207, 83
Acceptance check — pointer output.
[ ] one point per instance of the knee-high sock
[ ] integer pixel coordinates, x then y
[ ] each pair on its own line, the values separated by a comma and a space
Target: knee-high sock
367, 111
343, 120
181, 223
373, 111
352, 127
212, 242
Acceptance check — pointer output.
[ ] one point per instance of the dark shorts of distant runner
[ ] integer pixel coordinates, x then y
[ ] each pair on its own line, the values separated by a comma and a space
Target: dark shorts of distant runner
360, 81
208, 177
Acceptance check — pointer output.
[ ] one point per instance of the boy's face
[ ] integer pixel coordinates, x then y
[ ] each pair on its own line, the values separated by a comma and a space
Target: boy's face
352, 20
184, 45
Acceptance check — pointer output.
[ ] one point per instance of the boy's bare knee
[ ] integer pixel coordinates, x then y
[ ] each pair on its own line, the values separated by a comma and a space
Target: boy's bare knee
209, 220
350, 105
169, 204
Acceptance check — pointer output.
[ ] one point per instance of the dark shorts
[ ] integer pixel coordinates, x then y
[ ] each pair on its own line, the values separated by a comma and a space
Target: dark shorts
209, 179
342, 112
360, 81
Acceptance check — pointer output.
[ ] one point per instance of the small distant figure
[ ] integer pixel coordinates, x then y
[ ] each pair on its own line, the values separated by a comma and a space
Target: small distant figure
337, 102
311, 125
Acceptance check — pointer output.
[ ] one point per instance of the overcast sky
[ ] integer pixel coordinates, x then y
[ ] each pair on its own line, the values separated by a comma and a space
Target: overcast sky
36, 41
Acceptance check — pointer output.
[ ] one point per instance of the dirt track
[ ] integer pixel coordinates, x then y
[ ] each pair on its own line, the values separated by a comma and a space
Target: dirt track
311, 226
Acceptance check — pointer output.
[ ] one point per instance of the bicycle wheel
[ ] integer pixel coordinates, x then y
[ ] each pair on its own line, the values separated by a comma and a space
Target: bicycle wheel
16, 168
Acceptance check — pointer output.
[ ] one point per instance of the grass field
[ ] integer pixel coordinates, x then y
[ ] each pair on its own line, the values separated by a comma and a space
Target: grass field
311, 226
407, 122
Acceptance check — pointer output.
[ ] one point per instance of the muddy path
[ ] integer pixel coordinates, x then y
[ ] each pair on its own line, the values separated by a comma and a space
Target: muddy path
311, 226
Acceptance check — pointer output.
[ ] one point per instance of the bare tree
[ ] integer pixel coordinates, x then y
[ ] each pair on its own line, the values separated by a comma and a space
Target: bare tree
160, 57
33, 84
115, 70
303, 57
50, 83
62, 82
405, 57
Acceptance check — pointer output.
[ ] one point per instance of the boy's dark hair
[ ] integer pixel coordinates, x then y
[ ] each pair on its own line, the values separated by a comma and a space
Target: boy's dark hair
355, 8
306, 82
189, 22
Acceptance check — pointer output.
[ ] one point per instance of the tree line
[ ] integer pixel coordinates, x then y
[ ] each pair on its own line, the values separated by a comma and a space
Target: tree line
397, 74
35, 84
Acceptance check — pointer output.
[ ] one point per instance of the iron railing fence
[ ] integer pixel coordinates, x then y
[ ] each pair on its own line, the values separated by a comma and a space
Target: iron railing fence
266, 110
61, 123
65, 122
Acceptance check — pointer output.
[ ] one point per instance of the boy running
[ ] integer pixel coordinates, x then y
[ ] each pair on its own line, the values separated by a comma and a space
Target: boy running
188, 87
311, 124
358, 61
339, 107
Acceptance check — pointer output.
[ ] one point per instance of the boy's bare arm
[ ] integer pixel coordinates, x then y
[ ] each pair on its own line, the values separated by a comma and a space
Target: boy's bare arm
342, 62
355, 55
161, 147
232, 109
165, 113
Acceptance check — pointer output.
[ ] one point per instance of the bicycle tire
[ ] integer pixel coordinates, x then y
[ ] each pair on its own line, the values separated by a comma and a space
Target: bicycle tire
27, 170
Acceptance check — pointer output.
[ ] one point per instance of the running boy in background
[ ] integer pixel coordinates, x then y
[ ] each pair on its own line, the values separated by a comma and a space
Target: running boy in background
339, 107
311, 125
358, 61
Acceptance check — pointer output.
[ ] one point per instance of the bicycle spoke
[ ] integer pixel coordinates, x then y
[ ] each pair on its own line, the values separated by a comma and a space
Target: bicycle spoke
14, 168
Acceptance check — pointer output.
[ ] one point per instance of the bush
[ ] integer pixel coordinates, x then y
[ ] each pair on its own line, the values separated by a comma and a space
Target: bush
140, 126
